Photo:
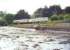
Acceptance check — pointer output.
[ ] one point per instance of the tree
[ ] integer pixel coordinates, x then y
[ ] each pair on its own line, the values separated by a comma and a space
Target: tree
67, 10
6, 19
2, 20
38, 12
55, 9
42, 12
9, 18
2, 14
22, 15
46, 12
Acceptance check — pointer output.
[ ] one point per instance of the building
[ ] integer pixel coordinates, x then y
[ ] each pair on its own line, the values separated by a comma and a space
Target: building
31, 22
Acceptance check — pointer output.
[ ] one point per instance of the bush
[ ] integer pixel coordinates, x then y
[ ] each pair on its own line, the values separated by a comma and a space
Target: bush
55, 17
67, 16
60, 18
3, 23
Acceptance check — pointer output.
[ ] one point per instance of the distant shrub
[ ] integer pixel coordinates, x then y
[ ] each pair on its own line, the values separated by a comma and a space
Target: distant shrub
3, 23
55, 17
60, 18
67, 16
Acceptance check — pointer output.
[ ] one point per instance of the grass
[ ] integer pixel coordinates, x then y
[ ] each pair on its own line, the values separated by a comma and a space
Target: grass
50, 24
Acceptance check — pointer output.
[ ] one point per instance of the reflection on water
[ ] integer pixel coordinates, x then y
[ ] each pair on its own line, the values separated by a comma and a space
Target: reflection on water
27, 39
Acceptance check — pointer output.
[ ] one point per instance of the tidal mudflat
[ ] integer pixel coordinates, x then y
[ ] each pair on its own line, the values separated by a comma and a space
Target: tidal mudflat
12, 38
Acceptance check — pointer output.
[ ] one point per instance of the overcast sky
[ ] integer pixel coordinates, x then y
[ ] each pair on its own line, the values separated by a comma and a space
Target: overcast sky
12, 6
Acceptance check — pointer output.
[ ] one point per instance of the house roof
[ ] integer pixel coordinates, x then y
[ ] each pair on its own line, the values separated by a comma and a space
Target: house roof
32, 20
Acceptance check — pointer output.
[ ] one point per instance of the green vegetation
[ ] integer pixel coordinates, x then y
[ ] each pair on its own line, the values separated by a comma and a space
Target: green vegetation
6, 19
56, 17
54, 13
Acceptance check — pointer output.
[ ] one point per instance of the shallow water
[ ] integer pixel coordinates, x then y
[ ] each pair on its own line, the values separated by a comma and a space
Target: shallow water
12, 38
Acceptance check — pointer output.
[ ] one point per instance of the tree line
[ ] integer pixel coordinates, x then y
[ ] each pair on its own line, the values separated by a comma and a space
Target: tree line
54, 12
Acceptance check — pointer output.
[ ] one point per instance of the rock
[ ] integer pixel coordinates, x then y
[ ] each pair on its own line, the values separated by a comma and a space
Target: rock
17, 36
40, 42
56, 49
36, 45
50, 40
64, 42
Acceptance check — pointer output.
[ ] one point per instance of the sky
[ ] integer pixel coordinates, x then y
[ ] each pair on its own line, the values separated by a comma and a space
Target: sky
13, 6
